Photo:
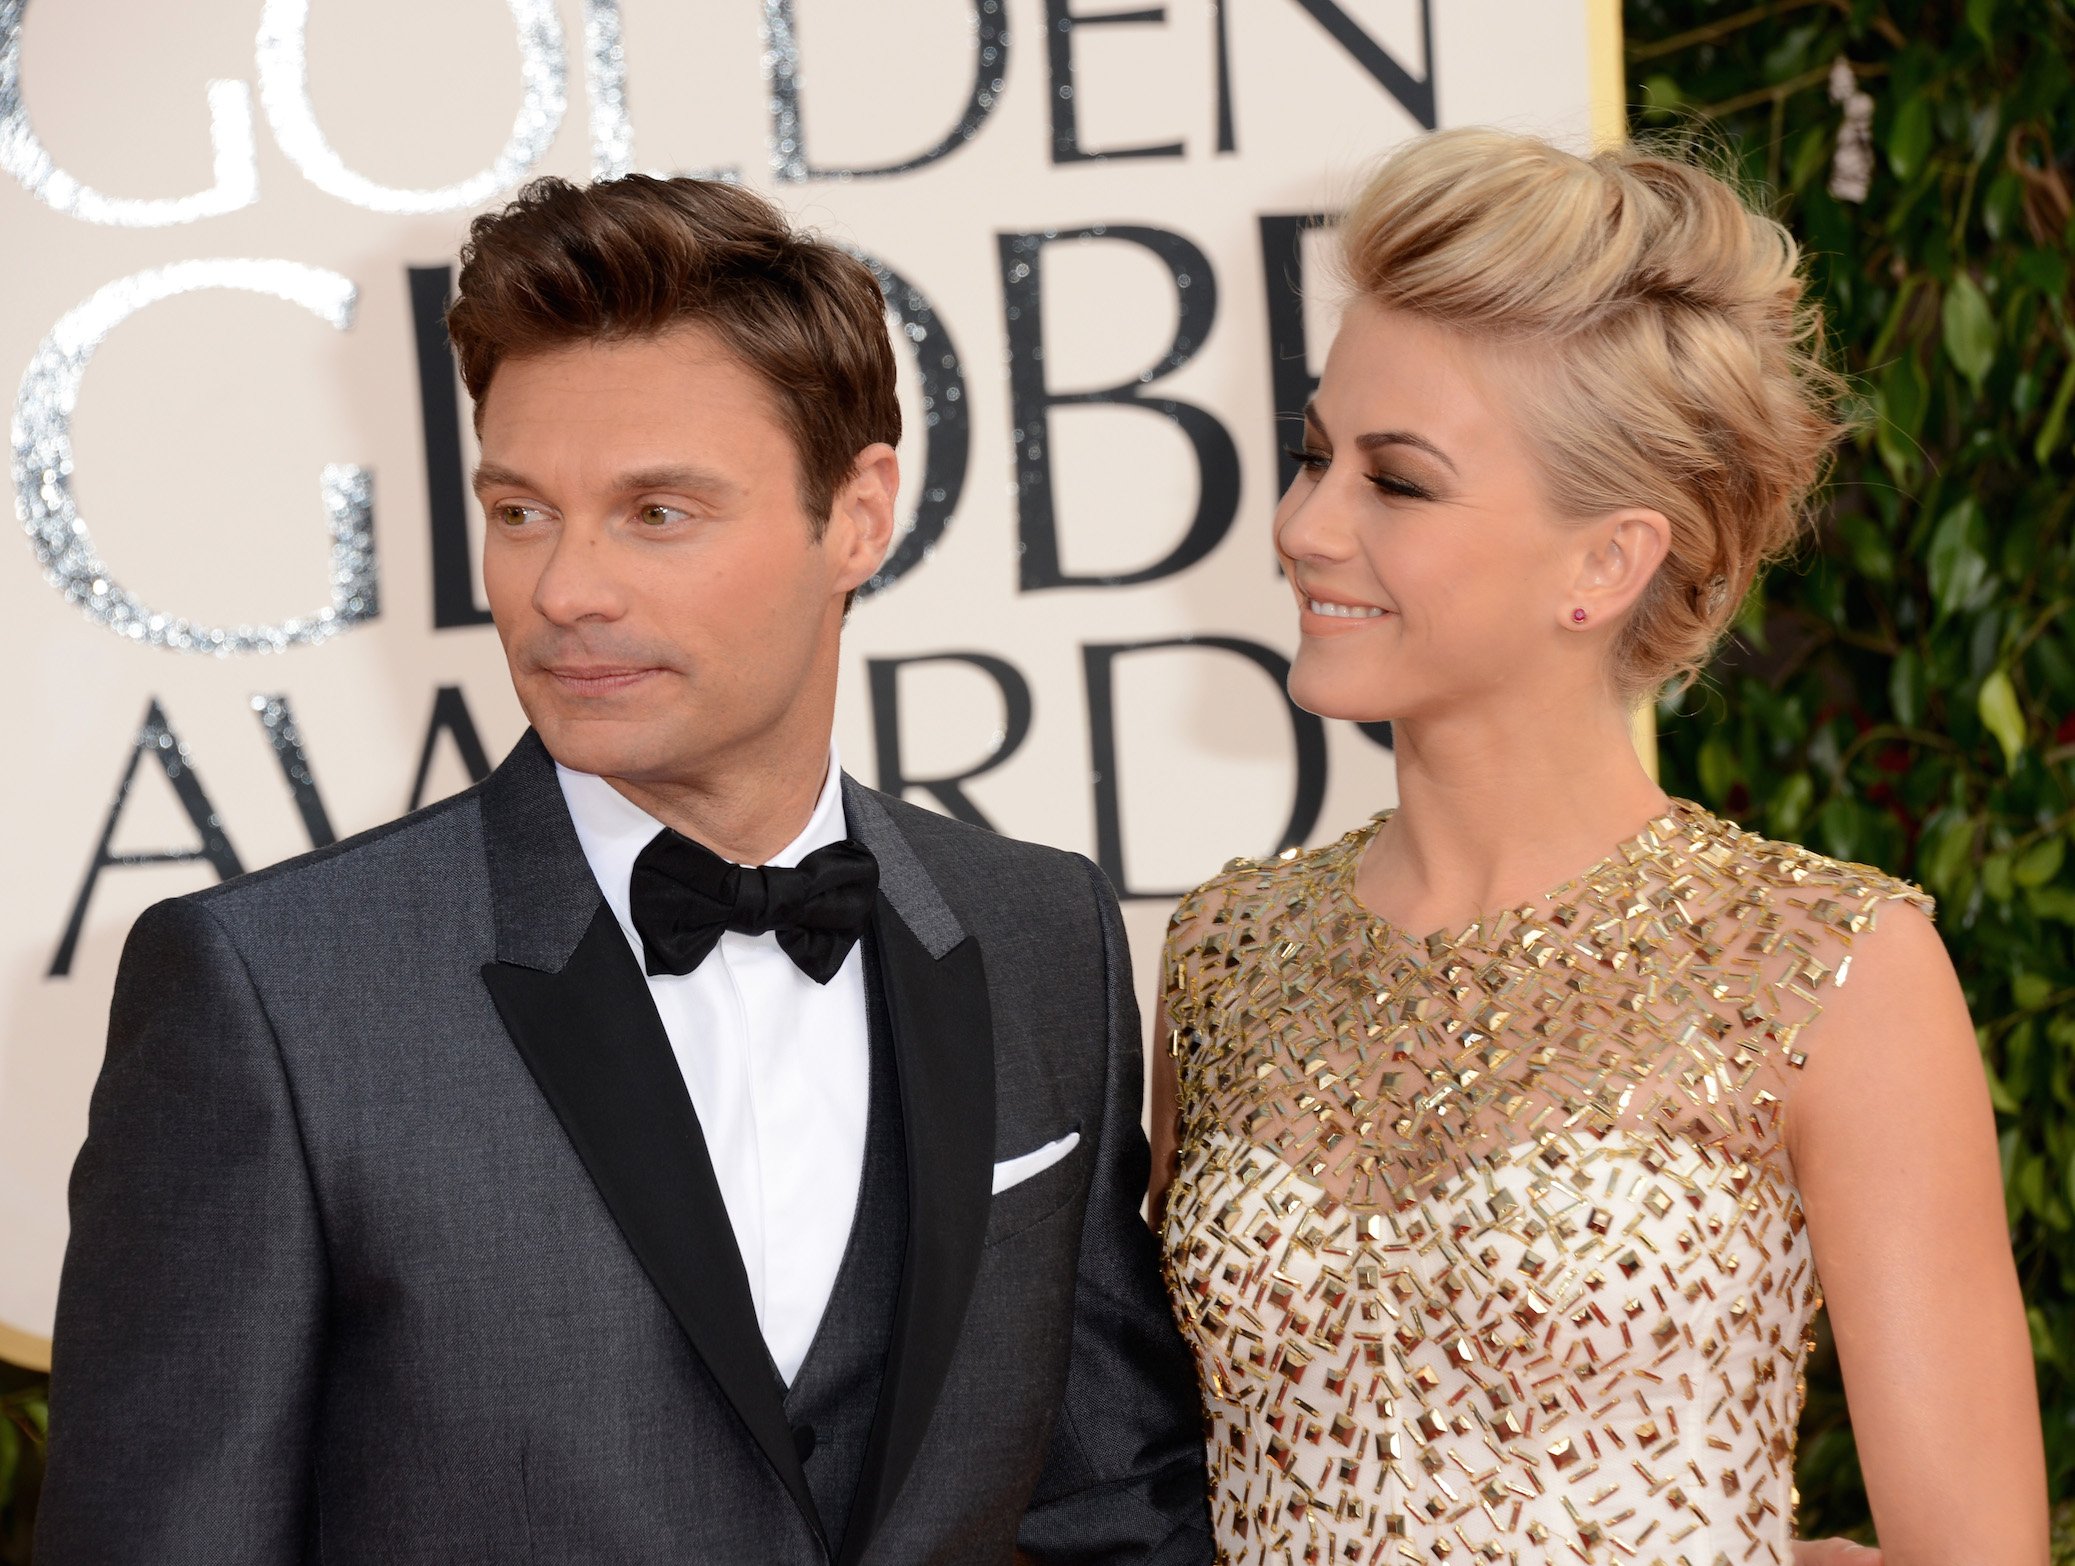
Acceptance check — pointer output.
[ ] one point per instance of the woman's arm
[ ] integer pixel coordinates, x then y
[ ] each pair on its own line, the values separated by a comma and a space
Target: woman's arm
1894, 1150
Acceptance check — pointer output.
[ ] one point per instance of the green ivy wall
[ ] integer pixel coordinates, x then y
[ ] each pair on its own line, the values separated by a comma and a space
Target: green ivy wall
1905, 693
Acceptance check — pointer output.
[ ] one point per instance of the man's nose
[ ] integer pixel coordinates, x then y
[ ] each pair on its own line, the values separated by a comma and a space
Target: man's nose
582, 579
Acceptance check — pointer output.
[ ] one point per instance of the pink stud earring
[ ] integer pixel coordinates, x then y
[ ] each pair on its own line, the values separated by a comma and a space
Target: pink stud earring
1577, 616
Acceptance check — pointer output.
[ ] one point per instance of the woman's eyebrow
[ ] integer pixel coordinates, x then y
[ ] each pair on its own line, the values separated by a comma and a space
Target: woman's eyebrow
1376, 439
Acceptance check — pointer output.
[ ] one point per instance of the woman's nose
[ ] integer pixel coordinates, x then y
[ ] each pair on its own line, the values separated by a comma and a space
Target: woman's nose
1310, 524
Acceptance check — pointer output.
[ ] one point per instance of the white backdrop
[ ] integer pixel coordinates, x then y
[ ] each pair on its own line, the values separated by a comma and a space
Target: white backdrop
236, 455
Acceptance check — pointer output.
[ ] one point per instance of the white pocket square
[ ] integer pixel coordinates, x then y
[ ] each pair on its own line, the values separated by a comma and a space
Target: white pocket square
1014, 1171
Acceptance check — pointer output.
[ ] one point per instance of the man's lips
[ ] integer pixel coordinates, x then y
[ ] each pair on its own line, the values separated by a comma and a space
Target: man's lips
591, 679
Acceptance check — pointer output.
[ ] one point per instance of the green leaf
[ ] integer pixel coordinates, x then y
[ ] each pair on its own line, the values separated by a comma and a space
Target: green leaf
1790, 804
1981, 17
1946, 849
2003, 207
1789, 57
2001, 1096
1995, 877
2019, 1045
2030, 1185
2024, 392
1842, 825
2052, 902
2041, 862
1981, 131
1909, 137
1811, 156
2049, 438
1904, 394
1871, 555
1661, 93
2043, 271
1750, 621
1970, 330
2044, 1348
2000, 713
1958, 566
1901, 400
1906, 686
2030, 990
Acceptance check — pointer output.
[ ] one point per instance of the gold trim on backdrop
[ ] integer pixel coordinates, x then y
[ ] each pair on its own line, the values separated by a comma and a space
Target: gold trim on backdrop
1605, 75
1604, 71
24, 1348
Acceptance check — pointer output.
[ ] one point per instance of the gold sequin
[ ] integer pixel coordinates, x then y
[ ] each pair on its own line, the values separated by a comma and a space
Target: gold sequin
1488, 1244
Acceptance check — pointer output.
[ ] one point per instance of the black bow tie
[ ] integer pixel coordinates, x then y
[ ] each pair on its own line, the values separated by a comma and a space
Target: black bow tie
685, 895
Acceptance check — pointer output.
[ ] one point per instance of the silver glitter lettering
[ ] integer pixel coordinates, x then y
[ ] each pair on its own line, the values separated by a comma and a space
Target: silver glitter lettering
284, 94
23, 156
605, 80
286, 741
782, 82
41, 438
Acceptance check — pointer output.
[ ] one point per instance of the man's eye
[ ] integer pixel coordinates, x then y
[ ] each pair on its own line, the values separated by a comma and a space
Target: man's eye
661, 516
516, 515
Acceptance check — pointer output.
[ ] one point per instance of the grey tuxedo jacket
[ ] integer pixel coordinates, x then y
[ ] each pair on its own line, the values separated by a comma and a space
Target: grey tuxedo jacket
395, 1239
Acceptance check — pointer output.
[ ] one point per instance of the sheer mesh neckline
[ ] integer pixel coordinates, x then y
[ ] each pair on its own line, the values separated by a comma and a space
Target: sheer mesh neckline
1674, 821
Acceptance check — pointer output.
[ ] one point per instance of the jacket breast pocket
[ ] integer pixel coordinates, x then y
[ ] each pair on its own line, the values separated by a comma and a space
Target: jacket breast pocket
1037, 1198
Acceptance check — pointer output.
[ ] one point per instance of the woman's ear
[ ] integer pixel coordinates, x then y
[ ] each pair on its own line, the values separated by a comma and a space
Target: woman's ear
1619, 554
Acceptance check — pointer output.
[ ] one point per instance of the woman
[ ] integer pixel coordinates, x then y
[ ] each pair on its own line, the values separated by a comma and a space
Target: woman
1494, 1190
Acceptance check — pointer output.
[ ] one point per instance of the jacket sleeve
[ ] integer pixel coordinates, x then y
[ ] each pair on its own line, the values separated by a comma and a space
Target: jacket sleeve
190, 1308
1124, 1479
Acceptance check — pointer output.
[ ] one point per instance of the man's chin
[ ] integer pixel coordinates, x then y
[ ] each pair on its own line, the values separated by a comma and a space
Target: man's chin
613, 745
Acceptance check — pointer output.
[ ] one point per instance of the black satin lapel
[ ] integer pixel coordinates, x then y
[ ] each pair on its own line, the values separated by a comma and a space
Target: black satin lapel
596, 1046
542, 892
943, 1038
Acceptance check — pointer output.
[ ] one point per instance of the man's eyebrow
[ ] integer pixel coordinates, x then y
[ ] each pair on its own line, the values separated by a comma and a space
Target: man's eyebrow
495, 475
1377, 439
674, 478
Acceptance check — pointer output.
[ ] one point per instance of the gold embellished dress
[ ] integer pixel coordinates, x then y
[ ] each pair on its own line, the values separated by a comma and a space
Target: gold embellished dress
1488, 1245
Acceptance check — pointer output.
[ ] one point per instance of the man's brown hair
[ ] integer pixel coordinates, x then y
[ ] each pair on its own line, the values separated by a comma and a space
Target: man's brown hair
636, 256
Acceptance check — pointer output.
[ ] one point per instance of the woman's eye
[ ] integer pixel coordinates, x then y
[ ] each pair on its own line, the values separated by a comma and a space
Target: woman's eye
1403, 488
1310, 461
661, 516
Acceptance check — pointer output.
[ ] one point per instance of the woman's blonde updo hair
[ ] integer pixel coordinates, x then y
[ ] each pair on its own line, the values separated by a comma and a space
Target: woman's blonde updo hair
1675, 362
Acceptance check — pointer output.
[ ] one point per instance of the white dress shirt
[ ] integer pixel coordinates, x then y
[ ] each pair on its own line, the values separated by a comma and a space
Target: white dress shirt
778, 1068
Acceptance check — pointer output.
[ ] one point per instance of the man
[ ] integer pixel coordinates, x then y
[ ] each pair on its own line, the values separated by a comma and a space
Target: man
668, 1150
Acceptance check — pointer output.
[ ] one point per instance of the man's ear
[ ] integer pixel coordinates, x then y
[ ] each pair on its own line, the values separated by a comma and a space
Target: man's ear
861, 517
1619, 554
